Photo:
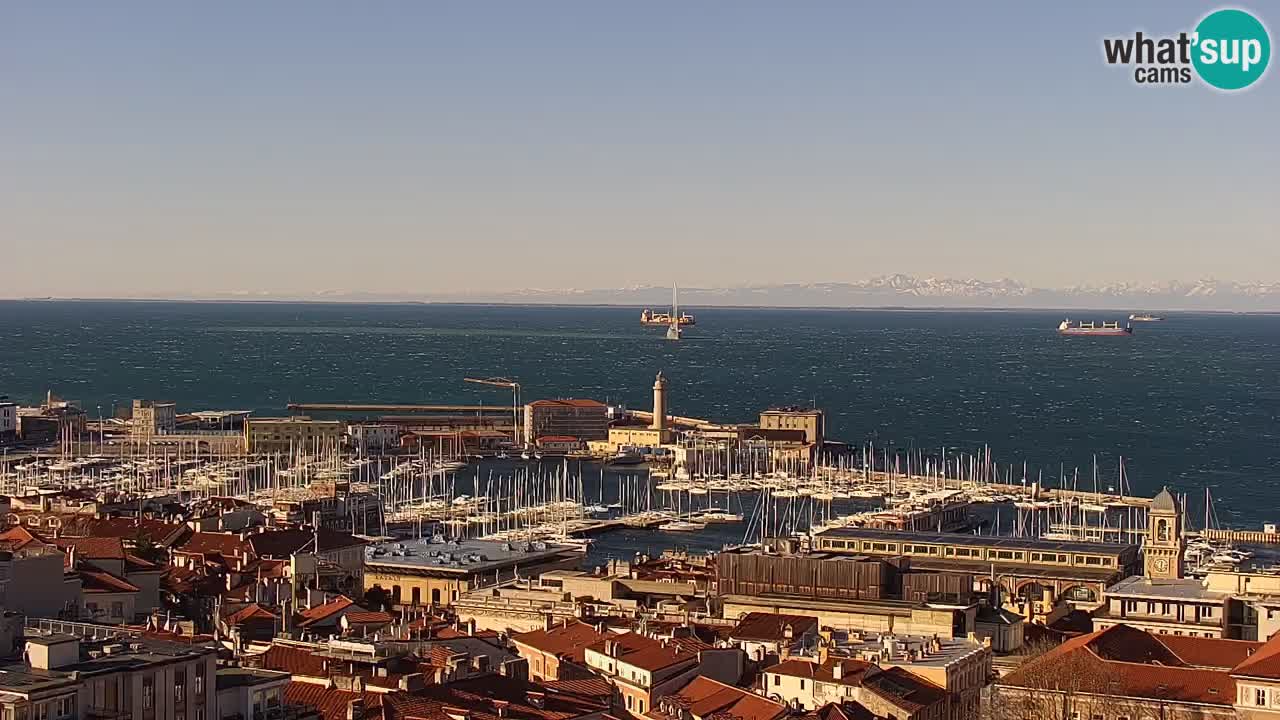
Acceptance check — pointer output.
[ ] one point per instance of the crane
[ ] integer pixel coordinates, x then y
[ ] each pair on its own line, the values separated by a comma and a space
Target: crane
515, 400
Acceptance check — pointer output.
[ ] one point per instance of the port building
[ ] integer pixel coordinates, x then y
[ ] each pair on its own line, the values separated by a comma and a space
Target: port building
580, 418
291, 434
811, 421
1035, 576
153, 418
435, 574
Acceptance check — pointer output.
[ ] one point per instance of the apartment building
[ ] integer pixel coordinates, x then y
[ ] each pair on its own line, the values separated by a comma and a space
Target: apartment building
119, 676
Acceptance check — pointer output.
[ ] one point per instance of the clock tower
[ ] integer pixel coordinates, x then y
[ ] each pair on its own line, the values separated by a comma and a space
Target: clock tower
1164, 546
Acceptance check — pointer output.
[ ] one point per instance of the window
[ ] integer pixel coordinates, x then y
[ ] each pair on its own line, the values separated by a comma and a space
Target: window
179, 685
148, 692
630, 702
65, 707
801, 683
199, 679
641, 704
777, 680
117, 609
417, 596
435, 596
199, 713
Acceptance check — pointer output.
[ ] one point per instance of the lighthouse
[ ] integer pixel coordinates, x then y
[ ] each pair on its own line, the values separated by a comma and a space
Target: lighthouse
659, 405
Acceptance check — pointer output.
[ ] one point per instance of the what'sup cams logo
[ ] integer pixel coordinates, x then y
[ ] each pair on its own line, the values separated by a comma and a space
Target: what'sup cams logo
1228, 50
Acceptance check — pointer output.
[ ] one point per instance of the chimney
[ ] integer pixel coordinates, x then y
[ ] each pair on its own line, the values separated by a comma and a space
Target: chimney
536, 699
548, 622
355, 709
837, 670
500, 708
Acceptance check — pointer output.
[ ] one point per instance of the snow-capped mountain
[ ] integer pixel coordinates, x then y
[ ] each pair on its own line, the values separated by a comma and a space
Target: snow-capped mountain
897, 290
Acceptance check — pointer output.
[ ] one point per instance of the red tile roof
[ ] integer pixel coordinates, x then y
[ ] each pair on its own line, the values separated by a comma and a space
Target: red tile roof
1122, 661
368, 618
1209, 652
94, 548
851, 671
483, 695
212, 543
1265, 663
96, 581
567, 641
648, 654
904, 689
704, 697
253, 611
280, 544
320, 613
770, 627
295, 661
155, 531
330, 702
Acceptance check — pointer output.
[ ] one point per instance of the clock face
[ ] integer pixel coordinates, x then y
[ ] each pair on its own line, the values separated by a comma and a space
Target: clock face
1162, 564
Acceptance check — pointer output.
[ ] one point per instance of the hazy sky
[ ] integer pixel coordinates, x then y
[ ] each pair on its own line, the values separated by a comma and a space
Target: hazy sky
430, 146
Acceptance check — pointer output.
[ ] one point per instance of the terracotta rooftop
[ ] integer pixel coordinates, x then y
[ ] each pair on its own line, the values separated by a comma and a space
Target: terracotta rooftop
567, 641
155, 531
280, 544
213, 543
331, 702
904, 689
648, 654
1123, 661
852, 671
1209, 652
93, 548
1264, 663
483, 696
320, 613
368, 618
704, 697
295, 661
253, 611
768, 627
96, 581
18, 537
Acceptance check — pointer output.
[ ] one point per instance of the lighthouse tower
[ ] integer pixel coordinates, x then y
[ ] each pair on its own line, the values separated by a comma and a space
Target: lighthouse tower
659, 406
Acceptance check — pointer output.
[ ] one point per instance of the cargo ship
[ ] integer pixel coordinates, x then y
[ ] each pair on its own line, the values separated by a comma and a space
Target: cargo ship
1145, 317
1088, 328
649, 317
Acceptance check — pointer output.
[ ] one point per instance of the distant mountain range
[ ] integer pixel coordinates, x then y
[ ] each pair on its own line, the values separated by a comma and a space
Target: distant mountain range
907, 291
886, 291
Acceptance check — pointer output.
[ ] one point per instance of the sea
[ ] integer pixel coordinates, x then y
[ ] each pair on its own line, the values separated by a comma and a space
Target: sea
1191, 403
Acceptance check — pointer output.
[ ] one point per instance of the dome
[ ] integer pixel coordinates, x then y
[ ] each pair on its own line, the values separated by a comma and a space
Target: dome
1164, 502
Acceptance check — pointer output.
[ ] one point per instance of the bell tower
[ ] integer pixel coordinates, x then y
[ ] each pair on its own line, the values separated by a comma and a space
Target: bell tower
1165, 545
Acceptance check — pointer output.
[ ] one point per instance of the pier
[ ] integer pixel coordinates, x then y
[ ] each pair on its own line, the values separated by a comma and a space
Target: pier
375, 407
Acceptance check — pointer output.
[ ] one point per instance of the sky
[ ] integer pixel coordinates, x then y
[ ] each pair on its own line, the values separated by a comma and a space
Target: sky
151, 148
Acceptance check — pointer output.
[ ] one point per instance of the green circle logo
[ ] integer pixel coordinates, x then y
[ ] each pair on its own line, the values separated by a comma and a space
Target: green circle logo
1232, 49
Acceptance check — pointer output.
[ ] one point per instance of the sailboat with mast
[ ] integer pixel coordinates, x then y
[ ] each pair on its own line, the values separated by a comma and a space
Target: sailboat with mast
661, 319
673, 330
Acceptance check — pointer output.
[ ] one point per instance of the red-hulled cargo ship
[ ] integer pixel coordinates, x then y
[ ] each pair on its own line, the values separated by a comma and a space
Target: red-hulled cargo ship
1088, 328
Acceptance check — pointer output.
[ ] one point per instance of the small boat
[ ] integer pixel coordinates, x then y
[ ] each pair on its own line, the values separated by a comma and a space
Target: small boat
626, 457
682, 526
1145, 317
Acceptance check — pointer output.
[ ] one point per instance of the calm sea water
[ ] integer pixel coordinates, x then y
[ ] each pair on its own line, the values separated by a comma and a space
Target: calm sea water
1192, 402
